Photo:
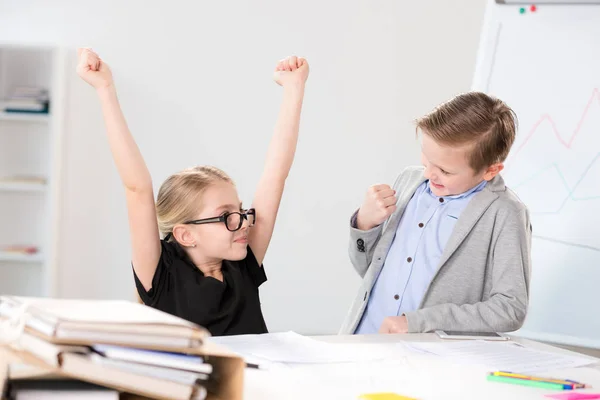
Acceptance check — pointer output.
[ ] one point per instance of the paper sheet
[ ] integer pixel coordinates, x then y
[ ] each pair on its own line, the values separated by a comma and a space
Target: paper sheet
290, 347
335, 381
422, 377
499, 356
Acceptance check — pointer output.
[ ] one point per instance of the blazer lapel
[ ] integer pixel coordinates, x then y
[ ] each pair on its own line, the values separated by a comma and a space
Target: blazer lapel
391, 225
394, 219
470, 216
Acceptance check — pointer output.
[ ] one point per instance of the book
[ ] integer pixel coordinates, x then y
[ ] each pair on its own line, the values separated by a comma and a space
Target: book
27, 100
45, 351
86, 368
168, 374
89, 322
165, 359
89, 368
36, 342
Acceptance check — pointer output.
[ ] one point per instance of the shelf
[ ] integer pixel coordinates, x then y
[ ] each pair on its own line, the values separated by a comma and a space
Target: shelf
30, 165
24, 117
20, 257
22, 187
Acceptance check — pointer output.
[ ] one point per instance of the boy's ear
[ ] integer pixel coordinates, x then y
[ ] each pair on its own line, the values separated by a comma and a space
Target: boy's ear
492, 171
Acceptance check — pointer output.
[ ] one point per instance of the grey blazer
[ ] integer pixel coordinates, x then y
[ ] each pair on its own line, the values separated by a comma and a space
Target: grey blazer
482, 281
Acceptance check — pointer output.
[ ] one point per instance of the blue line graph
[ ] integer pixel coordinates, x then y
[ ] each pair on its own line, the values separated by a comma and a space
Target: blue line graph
570, 190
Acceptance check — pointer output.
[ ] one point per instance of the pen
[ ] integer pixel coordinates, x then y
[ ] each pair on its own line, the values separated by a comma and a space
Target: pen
254, 366
534, 378
527, 382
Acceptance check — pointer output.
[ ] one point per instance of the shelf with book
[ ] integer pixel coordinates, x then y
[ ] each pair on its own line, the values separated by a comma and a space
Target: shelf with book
32, 90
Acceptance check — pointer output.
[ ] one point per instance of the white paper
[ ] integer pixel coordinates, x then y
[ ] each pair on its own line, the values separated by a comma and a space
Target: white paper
290, 347
336, 381
500, 356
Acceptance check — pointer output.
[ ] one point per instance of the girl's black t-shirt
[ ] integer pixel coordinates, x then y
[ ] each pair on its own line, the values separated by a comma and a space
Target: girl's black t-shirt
231, 307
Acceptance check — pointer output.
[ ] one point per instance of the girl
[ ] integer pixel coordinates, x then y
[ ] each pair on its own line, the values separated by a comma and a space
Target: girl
208, 267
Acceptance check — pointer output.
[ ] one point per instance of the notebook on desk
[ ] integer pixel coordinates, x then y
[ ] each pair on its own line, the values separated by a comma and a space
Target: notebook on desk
100, 321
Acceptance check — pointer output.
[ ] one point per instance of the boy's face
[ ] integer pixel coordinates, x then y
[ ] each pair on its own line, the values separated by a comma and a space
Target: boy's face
448, 169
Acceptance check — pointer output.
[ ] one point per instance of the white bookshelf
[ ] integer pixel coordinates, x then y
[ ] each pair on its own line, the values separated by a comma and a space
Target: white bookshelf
22, 187
30, 157
23, 117
6, 256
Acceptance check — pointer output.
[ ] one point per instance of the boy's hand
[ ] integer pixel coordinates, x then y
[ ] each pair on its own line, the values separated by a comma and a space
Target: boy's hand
379, 204
92, 69
394, 325
291, 71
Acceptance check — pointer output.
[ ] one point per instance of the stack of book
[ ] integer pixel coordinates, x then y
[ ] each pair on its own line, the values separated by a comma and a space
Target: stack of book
27, 100
103, 349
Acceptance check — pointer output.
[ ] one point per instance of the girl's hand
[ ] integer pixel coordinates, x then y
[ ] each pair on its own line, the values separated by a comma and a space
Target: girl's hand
291, 71
93, 70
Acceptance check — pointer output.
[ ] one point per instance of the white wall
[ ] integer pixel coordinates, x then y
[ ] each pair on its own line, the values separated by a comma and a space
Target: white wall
195, 77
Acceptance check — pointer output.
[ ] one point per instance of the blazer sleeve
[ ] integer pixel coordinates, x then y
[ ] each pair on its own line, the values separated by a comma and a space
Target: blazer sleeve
363, 243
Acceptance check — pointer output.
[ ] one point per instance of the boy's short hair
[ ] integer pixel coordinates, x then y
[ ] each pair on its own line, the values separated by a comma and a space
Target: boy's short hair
474, 117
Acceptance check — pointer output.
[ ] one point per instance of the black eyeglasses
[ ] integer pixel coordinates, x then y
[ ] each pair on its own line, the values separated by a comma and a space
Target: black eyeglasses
233, 221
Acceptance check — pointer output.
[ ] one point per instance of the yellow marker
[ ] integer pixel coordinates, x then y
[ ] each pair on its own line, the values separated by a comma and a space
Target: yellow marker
384, 396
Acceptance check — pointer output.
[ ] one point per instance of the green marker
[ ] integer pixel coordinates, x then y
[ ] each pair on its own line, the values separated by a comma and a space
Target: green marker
522, 10
526, 382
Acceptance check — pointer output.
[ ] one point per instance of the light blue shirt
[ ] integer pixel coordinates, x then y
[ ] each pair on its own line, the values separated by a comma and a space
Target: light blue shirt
413, 257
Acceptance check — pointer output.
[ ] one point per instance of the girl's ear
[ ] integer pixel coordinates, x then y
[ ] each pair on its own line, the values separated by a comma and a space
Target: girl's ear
184, 237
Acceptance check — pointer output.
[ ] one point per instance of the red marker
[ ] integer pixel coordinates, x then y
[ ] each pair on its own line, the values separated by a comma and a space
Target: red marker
533, 8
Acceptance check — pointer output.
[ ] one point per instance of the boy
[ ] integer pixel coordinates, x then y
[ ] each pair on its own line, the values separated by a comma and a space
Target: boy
453, 250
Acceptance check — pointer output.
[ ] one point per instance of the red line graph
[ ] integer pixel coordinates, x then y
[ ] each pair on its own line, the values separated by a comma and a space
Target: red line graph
546, 117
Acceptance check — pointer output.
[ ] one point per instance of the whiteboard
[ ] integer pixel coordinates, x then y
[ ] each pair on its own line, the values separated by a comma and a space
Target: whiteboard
546, 66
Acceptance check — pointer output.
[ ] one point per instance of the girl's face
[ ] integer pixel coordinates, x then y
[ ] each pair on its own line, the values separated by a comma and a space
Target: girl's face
213, 240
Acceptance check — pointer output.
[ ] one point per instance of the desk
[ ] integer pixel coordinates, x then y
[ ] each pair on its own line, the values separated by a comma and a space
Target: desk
419, 376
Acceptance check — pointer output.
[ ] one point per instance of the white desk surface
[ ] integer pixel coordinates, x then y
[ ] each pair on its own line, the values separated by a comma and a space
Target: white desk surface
418, 376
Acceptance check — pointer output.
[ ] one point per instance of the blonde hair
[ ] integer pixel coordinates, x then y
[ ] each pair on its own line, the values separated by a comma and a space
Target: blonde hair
486, 122
179, 197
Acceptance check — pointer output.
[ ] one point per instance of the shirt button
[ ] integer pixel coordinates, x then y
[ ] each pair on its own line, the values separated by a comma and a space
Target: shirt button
421, 225
396, 297
409, 259
441, 200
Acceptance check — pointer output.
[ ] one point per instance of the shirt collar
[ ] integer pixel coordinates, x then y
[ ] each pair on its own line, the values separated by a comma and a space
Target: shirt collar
474, 189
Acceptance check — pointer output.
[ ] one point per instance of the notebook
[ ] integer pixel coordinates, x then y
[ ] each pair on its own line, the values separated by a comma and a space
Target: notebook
185, 362
123, 372
225, 382
89, 322
169, 374
45, 351
89, 369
